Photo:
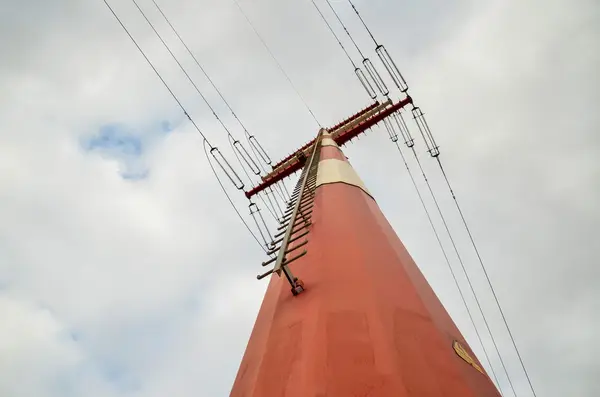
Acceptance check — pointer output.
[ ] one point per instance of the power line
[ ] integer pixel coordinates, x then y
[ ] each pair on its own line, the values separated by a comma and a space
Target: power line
433, 150
248, 135
486, 274
199, 65
157, 73
239, 153
462, 265
401, 83
409, 141
205, 73
181, 67
333, 33
277, 62
435, 232
362, 78
205, 142
371, 70
238, 150
363, 22
210, 80
383, 55
345, 29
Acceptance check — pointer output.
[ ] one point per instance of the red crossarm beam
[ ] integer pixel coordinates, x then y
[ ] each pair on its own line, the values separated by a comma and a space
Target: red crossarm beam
287, 158
274, 178
365, 110
342, 138
368, 123
357, 115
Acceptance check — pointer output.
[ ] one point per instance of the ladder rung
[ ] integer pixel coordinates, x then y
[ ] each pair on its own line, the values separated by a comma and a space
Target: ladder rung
269, 261
298, 220
293, 230
291, 249
261, 276
274, 250
300, 213
299, 245
287, 262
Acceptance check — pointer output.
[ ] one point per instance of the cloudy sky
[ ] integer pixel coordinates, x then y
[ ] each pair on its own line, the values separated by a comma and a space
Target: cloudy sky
124, 272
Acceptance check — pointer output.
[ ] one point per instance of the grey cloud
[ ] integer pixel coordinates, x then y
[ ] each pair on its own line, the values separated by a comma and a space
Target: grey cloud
157, 277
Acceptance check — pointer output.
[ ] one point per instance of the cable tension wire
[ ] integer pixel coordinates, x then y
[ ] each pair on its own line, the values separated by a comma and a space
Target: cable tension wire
443, 250
285, 74
206, 143
239, 151
433, 150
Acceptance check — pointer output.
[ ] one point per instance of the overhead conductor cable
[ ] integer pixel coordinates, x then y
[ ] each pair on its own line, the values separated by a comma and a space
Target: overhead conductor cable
371, 70
229, 198
239, 151
366, 84
207, 146
253, 141
236, 145
439, 241
462, 265
433, 150
375, 77
264, 43
486, 275
384, 56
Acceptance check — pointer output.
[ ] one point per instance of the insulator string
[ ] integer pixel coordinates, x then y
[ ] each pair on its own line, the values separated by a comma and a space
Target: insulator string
433, 149
383, 55
364, 81
270, 192
208, 148
235, 144
239, 155
238, 152
227, 168
271, 210
434, 152
229, 198
205, 142
371, 70
260, 223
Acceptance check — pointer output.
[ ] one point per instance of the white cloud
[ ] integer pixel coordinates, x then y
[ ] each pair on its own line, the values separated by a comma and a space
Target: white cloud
156, 279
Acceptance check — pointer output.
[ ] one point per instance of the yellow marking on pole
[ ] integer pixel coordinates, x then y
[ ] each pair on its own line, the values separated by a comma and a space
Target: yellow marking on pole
348, 126
328, 142
338, 171
464, 354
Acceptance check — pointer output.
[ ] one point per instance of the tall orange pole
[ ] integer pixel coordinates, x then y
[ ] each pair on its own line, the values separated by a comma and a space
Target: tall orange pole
367, 322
